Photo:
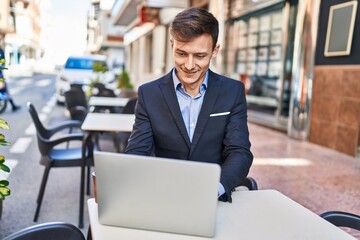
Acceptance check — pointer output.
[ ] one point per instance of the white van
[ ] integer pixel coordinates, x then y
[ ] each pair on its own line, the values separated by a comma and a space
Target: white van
79, 70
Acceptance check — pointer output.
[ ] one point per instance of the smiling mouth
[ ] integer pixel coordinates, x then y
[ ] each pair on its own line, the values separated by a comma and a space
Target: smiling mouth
189, 72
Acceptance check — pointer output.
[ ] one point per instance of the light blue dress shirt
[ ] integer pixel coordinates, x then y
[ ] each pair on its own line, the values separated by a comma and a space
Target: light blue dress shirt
190, 108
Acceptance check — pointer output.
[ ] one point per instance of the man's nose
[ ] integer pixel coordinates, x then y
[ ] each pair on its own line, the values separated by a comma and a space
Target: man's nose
189, 64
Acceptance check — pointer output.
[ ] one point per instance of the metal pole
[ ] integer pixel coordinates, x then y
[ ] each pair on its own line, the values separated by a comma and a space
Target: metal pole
303, 67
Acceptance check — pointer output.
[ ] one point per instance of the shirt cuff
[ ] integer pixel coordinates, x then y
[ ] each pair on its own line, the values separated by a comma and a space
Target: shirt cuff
221, 189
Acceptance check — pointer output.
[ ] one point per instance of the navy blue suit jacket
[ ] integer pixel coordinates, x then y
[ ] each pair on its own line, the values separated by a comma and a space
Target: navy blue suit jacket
223, 139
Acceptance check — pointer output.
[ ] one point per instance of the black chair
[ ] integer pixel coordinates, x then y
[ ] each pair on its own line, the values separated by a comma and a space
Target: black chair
76, 103
98, 87
52, 155
250, 183
342, 219
106, 92
129, 108
77, 85
51, 231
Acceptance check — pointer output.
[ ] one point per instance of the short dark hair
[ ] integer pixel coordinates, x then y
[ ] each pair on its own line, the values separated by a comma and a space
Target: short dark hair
194, 22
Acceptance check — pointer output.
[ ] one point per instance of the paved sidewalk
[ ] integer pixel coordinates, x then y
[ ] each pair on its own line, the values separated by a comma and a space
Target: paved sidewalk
318, 178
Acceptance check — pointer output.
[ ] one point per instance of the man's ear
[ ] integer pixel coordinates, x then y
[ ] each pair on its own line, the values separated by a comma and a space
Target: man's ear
171, 43
216, 50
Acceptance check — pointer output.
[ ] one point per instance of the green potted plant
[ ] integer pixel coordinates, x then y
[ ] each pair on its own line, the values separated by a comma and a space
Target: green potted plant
4, 190
124, 80
124, 84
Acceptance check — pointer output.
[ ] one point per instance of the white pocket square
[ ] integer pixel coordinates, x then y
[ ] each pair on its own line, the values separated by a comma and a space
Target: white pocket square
219, 114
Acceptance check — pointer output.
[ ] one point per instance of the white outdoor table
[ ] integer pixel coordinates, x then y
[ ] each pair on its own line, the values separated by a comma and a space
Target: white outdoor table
255, 215
115, 122
108, 101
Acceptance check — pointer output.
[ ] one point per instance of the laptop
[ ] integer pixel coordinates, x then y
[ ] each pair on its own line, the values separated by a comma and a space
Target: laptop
157, 194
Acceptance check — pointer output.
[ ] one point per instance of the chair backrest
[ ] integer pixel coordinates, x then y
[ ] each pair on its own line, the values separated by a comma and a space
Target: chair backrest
42, 133
99, 86
342, 219
41, 130
76, 85
53, 231
76, 104
106, 92
130, 106
75, 97
250, 183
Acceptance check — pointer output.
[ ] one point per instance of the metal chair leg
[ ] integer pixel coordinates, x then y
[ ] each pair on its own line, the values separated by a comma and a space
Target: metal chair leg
88, 179
87, 155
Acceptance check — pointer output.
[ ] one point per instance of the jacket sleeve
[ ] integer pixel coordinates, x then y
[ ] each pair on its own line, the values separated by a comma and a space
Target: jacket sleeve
141, 138
237, 154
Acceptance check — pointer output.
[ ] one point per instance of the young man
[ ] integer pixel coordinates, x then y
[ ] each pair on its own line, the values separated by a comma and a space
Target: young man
193, 113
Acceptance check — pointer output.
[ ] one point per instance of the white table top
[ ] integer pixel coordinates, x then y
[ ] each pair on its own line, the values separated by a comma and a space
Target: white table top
108, 101
262, 214
114, 122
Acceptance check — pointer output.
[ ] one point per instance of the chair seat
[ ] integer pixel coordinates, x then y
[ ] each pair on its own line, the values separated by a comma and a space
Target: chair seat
66, 157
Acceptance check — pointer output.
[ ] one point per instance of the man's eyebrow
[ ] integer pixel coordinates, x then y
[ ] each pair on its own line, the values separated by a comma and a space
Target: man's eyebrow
180, 50
195, 53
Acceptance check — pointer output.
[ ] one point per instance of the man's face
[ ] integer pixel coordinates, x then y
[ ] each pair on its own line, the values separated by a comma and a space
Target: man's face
192, 59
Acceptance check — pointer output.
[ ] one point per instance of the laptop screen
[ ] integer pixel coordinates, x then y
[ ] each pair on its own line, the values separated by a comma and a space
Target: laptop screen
157, 194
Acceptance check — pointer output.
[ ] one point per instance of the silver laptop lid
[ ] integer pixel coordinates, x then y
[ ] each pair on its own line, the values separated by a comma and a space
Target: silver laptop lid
157, 194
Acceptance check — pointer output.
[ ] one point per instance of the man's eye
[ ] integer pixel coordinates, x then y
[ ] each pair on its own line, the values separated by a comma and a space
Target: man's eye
181, 54
200, 56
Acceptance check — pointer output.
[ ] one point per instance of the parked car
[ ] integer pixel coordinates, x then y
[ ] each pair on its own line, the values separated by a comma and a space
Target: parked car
79, 70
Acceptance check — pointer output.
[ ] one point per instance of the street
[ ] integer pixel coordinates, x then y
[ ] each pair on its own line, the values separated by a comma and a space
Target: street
61, 194
37, 90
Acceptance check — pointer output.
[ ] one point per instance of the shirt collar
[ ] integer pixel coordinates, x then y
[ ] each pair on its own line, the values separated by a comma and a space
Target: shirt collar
177, 83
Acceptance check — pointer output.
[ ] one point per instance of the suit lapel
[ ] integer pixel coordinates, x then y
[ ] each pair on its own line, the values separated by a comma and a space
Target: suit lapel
167, 89
211, 96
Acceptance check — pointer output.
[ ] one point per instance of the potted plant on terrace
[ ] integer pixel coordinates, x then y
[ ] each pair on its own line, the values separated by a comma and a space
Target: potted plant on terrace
4, 190
124, 84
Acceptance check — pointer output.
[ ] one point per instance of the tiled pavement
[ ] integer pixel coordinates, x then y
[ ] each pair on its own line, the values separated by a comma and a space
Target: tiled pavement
316, 177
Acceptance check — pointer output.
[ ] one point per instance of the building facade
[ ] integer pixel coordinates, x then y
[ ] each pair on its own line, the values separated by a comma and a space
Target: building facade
103, 37
276, 47
7, 20
23, 45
